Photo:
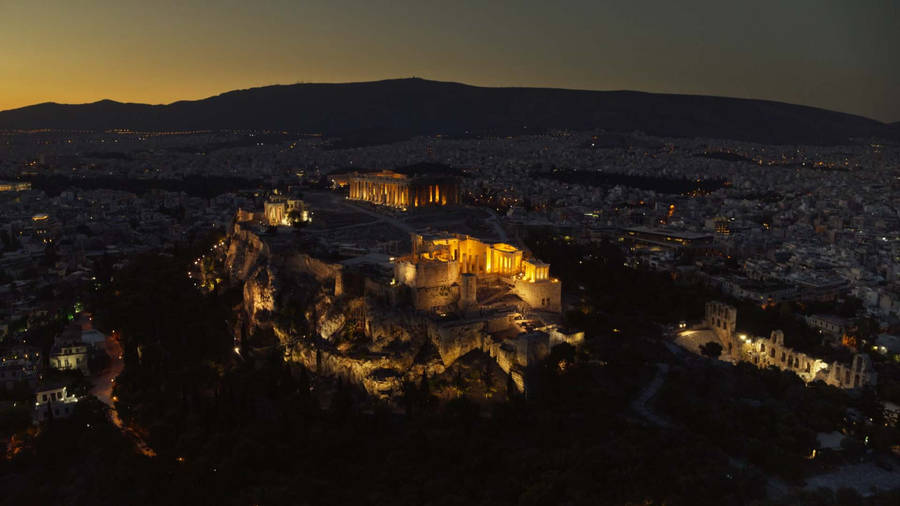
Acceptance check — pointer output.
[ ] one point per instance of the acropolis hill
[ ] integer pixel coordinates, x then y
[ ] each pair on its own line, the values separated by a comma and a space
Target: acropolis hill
379, 299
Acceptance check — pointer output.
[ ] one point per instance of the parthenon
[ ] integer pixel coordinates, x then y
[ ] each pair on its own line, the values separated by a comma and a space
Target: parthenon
398, 190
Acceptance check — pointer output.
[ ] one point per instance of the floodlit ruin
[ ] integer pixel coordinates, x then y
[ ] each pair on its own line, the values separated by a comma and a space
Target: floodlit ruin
392, 189
379, 320
444, 272
279, 210
771, 352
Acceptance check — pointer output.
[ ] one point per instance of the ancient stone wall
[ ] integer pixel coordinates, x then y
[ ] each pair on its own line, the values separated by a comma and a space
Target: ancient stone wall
541, 295
455, 341
405, 273
516, 355
441, 297
499, 322
722, 318
431, 273
468, 290
857, 374
559, 335
772, 352
320, 270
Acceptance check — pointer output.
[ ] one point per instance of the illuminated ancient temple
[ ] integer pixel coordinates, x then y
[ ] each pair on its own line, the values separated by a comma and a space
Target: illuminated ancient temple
280, 210
399, 190
445, 270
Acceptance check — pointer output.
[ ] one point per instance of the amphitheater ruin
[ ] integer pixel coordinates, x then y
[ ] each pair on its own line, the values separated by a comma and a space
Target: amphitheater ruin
765, 352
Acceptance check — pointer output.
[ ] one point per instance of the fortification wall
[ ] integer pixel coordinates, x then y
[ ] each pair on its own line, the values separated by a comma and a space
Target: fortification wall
559, 335
455, 341
320, 270
514, 356
505, 353
324, 272
499, 322
542, 295
439, 296
431, 273
405, 273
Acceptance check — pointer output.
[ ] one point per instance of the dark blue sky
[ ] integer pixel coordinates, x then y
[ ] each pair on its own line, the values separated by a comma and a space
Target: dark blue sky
841, 55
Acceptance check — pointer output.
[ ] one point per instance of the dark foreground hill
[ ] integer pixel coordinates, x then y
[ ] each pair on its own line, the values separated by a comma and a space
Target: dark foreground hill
417, 106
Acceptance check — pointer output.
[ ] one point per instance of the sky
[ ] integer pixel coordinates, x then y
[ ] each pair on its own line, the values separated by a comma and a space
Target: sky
842, 55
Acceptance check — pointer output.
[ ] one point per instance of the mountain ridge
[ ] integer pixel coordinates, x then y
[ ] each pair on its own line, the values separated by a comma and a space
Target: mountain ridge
417, 106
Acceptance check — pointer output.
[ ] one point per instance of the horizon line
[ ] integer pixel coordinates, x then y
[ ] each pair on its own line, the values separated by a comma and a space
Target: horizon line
410, 78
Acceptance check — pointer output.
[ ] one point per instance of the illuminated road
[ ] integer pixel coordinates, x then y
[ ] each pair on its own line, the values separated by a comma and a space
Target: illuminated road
103, 390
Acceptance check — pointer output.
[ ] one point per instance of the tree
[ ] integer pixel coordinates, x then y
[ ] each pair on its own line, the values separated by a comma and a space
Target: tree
424, 387
866, 327
848, 496
711, 349
408, 391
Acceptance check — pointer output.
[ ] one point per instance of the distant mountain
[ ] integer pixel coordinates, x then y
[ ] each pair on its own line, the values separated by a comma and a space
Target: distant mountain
417, 106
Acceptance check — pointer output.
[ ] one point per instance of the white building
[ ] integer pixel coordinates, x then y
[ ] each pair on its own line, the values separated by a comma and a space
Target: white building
53, 401
70, 356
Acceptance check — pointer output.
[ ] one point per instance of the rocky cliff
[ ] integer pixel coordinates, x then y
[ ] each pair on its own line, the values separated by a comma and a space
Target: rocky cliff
330, 332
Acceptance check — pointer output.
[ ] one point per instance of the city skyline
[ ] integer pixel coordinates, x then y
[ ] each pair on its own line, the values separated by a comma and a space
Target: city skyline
826, 55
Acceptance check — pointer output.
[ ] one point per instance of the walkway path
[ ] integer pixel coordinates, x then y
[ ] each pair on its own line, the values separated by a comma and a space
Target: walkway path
384, 217
495, 223
102, 389
640, 403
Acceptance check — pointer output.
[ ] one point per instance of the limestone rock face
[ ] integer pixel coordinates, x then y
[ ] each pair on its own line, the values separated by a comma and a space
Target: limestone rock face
380, 375
259, 295
329, 324
326, 316
245, 252
390, 333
